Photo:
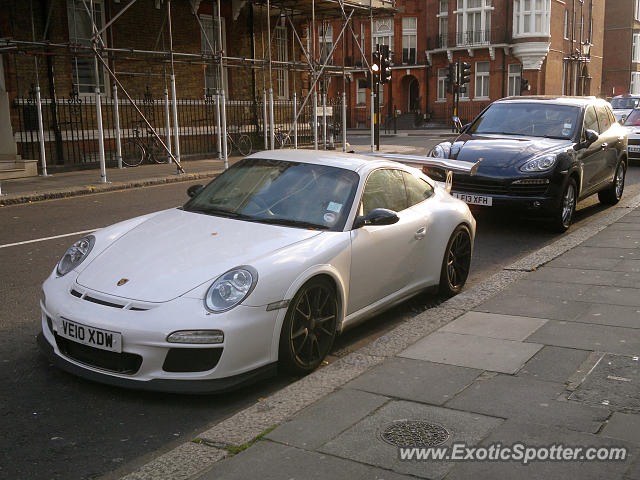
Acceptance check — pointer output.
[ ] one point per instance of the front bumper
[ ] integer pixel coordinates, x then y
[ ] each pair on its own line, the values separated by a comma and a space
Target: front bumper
147, 360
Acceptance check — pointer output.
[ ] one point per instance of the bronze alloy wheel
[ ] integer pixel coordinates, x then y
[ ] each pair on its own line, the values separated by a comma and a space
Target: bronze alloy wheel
309, 327
456, 262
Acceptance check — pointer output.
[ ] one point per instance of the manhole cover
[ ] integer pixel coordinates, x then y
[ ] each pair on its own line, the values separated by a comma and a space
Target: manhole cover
414, 434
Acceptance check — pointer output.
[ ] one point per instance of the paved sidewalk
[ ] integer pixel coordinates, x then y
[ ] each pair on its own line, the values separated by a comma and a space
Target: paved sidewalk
550, 359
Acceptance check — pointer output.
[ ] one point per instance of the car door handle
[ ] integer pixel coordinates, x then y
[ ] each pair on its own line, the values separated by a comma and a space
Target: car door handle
421, 233
604, 145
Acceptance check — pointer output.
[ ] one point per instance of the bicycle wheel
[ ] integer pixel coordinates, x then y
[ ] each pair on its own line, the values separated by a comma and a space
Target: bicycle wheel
157, 153
244, 145
132, 153
286, 141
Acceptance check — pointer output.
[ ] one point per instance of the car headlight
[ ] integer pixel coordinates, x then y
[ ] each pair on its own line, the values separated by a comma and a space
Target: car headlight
539, 164
230, 289
75, 255
441, 150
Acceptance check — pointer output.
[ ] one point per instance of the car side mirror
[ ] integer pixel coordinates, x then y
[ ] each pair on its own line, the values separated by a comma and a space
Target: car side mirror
378, 216
591, 136
194, 190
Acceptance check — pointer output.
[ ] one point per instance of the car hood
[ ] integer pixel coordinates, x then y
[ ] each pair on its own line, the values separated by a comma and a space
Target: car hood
500, 152
175, 251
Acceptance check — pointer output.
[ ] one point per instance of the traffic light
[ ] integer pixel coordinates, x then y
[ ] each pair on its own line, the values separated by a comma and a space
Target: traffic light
524, 84
465, 73
385, 64
375, 69
450, 80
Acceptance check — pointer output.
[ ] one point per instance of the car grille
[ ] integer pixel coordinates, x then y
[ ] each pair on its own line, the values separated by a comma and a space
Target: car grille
468, 184
634, 141
125, 363
191, 359
106, 303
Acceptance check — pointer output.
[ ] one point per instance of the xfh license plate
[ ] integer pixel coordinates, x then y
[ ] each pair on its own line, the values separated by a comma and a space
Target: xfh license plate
474, 199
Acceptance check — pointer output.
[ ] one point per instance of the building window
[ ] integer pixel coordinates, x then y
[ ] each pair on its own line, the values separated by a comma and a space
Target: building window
325, 42
361, 91
482, 80
383, 34
634, 89
443, 32
442, 84
444, 7
282, 75
409, 39
635, 48
531, 18
566, 24
515, 74
80, 32
473, 18
212, 81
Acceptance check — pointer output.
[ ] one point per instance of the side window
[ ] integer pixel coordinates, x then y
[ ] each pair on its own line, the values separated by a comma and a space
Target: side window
417, 189
590, 120
384, 189
603, 118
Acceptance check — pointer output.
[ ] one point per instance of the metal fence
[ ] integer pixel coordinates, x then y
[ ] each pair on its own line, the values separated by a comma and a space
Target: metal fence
71, 130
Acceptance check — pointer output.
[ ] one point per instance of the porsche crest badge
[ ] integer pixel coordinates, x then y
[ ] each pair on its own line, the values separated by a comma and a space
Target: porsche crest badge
122, 281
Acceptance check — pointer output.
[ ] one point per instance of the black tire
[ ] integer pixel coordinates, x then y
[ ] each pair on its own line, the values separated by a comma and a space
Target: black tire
612, 194
132, 154
157, 153
309, 327
456, 262
566, 209
244, 145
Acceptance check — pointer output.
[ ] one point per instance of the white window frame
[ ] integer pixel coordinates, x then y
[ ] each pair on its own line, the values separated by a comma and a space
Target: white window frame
514, 74
635, 48
443, 30
281, 47
482, 81
76, 12
383, 34
442, 84
410, 39
325, 43
467, 34
634, 87
520, 14
361, 92
211, 71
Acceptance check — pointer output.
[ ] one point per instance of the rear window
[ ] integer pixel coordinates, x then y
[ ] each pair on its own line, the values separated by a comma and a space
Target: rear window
625, 103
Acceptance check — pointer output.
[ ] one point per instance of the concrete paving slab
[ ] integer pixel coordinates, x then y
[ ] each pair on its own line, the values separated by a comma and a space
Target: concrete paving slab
496, 355
551, 308
626, 226
511, 432
624, 426
554, 364
575, 275
271, 461
605, 252
362, 442
577, 260
603, 338
416, 380
547, 289
494, 325
629, 266
613, 295
324, 420
614, 239
615, 315
527, 399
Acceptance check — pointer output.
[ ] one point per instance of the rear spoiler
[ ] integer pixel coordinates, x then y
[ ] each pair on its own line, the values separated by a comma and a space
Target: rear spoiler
447, 164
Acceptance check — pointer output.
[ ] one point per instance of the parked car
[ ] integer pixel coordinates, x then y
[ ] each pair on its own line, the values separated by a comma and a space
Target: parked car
632, 125
622, 105
263, 266
541, 154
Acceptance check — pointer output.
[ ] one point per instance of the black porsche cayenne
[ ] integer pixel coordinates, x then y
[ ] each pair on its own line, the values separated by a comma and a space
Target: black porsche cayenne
541, 154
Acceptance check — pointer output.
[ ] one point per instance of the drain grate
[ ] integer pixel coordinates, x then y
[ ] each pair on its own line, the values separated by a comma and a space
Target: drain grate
414, 434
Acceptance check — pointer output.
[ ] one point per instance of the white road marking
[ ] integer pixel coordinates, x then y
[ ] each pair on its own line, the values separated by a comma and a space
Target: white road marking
47, 238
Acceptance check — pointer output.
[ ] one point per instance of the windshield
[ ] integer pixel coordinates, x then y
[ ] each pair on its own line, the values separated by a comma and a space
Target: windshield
539, 119
633, 120
624, 103
302, 195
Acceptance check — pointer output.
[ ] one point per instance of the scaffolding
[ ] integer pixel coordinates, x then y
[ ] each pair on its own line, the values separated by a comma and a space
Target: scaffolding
315, 62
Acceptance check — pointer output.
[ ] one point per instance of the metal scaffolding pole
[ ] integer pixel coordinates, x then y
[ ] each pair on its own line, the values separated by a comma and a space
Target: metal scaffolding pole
373, 115
225, 153
174, 97
218, 127
295, 121
271, 124
167, 123
272, 132
315, 120
324, 120
103, 168
43, 152
116, 121
264, 119
344, 121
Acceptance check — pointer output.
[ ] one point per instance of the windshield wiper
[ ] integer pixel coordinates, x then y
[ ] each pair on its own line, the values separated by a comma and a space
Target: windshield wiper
221, 212
555, 136
498, 133
292, 223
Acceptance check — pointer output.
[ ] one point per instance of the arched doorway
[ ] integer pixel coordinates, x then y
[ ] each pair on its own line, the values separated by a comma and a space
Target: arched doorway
411, 94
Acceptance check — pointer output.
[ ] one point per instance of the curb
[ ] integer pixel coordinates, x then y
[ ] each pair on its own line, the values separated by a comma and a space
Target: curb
109, 187
194, 458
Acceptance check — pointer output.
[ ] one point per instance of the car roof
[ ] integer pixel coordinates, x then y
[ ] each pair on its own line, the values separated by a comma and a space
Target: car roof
554, 99
348, 161
627, 95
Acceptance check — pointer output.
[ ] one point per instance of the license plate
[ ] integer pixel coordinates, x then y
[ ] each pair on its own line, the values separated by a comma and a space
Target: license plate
634, 148
474, 199
91, 336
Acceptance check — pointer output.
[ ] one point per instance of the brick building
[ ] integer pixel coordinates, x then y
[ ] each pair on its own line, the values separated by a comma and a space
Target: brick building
621, 68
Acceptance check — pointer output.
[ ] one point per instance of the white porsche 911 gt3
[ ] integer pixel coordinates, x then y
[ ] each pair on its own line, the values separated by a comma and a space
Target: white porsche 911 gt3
263, 266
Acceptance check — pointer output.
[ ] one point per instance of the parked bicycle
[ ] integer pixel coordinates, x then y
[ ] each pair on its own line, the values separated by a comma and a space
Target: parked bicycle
282, 138
240, 142
138, 149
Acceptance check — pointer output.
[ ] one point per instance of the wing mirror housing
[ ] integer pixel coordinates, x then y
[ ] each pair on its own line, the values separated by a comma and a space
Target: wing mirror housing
194, 190
591, 136
378, 216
